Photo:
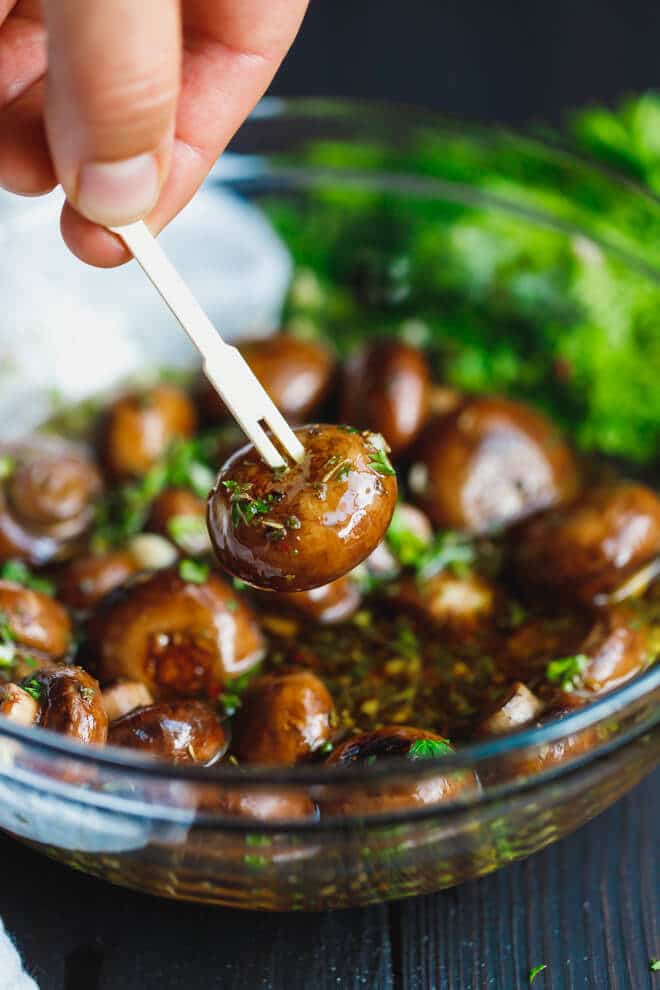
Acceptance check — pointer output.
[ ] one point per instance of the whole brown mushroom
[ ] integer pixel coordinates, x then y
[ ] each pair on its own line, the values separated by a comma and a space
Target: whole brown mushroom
18, 705
386, 388
71, 704
47, 500
178, 636
490, 462
185, 731
393, 795
36, 623
297, 374
284, 718
589, 548
86, 580
311, 524
138, 428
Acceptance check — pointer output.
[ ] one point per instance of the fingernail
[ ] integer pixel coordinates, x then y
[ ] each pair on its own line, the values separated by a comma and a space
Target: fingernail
114, 193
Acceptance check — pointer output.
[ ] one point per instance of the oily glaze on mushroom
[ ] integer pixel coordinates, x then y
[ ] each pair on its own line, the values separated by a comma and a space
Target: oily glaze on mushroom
383, 797
590, 547
70, 702
308, 525
178, 636
386, 388
283, 719
185, 731
490, 463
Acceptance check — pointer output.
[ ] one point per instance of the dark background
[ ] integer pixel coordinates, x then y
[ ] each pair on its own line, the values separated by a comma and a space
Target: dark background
487, 59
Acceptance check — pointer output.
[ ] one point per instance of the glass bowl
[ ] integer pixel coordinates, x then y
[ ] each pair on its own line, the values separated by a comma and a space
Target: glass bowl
146, 825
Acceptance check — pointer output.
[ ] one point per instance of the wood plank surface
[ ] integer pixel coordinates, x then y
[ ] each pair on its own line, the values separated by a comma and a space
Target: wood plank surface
587, 907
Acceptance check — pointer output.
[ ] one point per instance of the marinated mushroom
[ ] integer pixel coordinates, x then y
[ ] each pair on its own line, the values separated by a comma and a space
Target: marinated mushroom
123, 697
46, 500
590, 547
386, 388
519, 707
283, 719
86, 580
138, 428
185, 731
297, 374
263, 805
463, 602
18, 704
615, 649
178, 636
71, 704
309, 525
34, 622
180, 515
334, 602
388, 796
490, 463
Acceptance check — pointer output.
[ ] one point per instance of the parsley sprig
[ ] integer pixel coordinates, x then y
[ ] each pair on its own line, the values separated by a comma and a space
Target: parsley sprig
535, 970
381, 463
425, 749
20, 573
567, 671
33, 687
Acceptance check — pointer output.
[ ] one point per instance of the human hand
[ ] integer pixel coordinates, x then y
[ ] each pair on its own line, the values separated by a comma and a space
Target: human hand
127, 104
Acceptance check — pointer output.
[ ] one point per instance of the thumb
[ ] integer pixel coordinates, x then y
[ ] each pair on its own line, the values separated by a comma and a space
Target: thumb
113, 81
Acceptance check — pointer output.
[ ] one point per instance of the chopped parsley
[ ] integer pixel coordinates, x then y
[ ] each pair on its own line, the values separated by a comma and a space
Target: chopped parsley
425, 749
534, 972
244, 506
257, 840
33, 687
407, 547
255, 862
567, 671
19, 573
447, 551
193, 571
654, 965
381, 463
7, 465
7, 642
86, 693
229, 702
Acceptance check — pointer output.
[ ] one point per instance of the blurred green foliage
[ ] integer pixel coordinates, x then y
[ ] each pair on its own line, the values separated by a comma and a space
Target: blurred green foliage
521, 267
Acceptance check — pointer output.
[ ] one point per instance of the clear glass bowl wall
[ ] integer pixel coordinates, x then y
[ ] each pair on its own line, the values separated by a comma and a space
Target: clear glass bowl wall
151, 827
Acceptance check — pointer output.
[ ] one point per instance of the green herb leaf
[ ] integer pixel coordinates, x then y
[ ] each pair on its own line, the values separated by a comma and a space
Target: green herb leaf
448, 551
229, 702
87, 693
654, 965
534, 972
381, 463
33, 687
567, 671
7, 465
255, 862
424, 749
407, 547
193, 571
19, 573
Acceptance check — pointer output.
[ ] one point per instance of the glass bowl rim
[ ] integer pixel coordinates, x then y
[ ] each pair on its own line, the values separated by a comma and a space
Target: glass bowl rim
470, 754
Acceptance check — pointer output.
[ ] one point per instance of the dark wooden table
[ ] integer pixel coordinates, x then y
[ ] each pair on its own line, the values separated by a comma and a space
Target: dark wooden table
587, 907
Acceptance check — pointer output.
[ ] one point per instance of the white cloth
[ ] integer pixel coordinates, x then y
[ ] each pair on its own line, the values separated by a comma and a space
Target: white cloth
12, 974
